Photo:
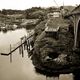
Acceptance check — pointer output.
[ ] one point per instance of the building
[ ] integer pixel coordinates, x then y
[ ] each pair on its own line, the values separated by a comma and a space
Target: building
52, 32
75, 17
54, 14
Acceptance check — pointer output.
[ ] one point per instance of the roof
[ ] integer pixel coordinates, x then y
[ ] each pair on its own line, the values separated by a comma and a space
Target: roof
55, 22
75, 11
52, 29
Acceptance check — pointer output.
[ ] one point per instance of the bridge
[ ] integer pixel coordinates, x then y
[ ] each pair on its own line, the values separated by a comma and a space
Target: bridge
25, 43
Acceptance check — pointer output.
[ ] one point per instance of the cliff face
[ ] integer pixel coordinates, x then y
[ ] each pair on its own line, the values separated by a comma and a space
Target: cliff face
52, 53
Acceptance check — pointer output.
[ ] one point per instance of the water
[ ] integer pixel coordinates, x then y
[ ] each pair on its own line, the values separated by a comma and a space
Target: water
20, 68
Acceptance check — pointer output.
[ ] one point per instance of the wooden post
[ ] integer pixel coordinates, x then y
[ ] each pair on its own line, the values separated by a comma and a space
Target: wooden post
10, 54
11, 58
25, 44
28, 45
22, 49
75, 32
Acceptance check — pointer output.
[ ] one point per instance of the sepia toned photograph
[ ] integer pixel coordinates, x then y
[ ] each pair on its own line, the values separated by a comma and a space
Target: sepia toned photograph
39, 39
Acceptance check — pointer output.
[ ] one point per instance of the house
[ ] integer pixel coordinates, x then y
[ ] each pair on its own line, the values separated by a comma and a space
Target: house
53, 26
75, 17
52, 32
53, 14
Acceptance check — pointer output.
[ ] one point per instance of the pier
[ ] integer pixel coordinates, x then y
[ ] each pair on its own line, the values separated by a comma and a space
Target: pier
23, 44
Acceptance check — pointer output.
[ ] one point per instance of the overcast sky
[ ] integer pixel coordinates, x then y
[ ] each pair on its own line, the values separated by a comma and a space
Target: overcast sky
24, 4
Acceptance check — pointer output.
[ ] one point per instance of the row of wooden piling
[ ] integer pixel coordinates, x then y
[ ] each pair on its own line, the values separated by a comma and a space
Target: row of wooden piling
23, 46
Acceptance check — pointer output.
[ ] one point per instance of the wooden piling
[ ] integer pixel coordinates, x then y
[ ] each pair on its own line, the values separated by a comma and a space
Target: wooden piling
11, 58
10, 54
20, 46
22, 49
28, 45
25, 43
24, 46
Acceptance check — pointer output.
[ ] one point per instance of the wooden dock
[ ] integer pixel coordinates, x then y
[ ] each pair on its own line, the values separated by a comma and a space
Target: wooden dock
23, 44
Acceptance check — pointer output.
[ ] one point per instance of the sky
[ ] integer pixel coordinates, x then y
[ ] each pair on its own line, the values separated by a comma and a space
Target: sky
25, 4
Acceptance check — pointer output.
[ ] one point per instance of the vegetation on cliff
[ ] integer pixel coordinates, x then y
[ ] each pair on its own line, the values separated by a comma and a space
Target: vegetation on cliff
51, 53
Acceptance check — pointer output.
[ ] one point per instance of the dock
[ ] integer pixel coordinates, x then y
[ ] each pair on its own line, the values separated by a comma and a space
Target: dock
23, 44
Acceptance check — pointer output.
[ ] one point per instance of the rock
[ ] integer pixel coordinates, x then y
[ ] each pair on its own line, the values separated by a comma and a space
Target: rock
55, 55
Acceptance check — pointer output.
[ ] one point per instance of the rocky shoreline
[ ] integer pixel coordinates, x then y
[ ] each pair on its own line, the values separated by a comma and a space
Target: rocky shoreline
54, 55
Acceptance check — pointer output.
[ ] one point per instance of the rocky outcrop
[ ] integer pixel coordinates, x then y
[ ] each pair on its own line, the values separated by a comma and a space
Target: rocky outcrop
55, 55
